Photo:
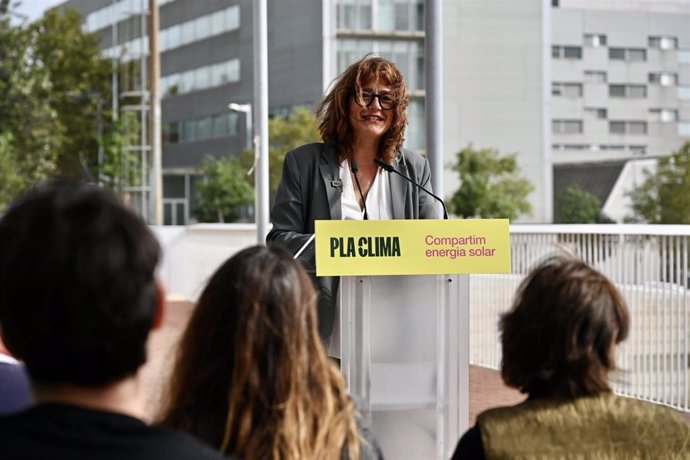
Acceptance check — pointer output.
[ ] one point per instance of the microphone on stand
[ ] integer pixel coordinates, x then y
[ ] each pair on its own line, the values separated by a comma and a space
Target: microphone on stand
355, 170
391, 169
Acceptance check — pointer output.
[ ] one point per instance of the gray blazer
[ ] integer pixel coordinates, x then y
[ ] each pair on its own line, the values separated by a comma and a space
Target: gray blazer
310, 190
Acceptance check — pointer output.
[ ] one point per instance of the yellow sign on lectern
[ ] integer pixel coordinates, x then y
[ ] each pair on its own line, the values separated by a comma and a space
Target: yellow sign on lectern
412, 247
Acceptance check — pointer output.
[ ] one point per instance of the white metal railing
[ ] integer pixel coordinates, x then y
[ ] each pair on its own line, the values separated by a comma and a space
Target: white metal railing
192, 253
647, 263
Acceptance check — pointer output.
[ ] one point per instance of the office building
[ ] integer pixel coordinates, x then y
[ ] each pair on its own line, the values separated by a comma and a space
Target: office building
576, 88
207, 63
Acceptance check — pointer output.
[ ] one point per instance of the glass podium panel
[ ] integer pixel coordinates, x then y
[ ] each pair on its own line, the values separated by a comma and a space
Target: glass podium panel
405, 357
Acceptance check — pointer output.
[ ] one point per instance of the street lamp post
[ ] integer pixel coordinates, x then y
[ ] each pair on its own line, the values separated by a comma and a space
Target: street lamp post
252, 144
247, 110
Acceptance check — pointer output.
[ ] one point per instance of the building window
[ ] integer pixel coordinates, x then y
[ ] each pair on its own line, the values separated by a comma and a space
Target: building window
595, 40
684, 129
664, 115
354, 14
628, 91
201, 129
566, 126
566, 52
201, 78
400, 15
595, 76
663, 42
628, 54
614, 147
572, 90
663, 78
170, 133
628, 127
596, 112
181, 34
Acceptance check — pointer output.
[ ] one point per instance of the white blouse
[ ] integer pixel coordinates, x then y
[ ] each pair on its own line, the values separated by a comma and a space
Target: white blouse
379, 207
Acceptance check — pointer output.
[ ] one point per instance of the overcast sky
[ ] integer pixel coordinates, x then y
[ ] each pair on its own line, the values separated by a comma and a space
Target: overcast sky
35, 8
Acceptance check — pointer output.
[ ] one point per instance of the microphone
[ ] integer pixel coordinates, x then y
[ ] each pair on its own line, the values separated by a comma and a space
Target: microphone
355, 170
391, 169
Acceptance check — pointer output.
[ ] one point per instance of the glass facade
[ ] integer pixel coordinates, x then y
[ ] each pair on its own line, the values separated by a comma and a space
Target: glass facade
390, 20
181, 34
117, 12
201, 78
201, 129
381, 15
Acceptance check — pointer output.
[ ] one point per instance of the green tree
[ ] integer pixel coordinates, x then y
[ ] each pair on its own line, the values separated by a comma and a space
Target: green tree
29, 128
53, 89
222, 191
577, 206
490, 185
10, 178
664, 196
121, 166
80, 84
285, 133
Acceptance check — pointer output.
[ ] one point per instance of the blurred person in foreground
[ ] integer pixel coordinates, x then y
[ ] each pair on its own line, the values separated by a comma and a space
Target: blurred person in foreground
251, 376
361, 119
78, 299
15, 390
559, 342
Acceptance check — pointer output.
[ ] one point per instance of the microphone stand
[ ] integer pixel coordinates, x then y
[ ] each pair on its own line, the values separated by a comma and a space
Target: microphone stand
391, 169
355, 170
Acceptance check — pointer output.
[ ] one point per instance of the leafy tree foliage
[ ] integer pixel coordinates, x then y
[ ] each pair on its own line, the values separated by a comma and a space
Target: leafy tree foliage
227, 186
577, 206
10, 178
490, 185
80, 84
223, 190
29, 128
664, 196
285, 133
53, 88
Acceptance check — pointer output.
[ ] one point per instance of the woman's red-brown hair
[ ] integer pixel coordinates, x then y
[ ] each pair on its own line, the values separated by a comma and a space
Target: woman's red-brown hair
333, 114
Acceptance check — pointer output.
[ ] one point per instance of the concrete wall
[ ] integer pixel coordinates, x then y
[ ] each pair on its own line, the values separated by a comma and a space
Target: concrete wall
493, 85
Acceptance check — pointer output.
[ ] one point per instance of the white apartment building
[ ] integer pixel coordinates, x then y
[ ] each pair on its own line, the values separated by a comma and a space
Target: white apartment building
576, 88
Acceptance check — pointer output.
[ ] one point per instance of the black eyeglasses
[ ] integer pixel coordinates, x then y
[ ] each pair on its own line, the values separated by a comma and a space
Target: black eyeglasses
365, 99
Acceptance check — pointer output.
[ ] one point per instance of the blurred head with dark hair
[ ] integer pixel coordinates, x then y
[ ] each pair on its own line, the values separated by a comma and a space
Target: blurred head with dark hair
78, 296
559, 337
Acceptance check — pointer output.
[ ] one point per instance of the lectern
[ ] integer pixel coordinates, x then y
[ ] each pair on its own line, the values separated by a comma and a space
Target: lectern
404, 354
404, 323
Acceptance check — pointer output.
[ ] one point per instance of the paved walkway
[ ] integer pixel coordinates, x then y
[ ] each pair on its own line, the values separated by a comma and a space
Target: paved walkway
486, 387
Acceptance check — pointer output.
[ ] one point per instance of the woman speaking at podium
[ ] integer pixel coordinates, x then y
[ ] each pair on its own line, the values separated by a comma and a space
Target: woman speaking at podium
361, 120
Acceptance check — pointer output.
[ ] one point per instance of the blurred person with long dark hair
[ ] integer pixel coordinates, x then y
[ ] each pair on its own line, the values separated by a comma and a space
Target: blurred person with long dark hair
559, 341
252, 377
